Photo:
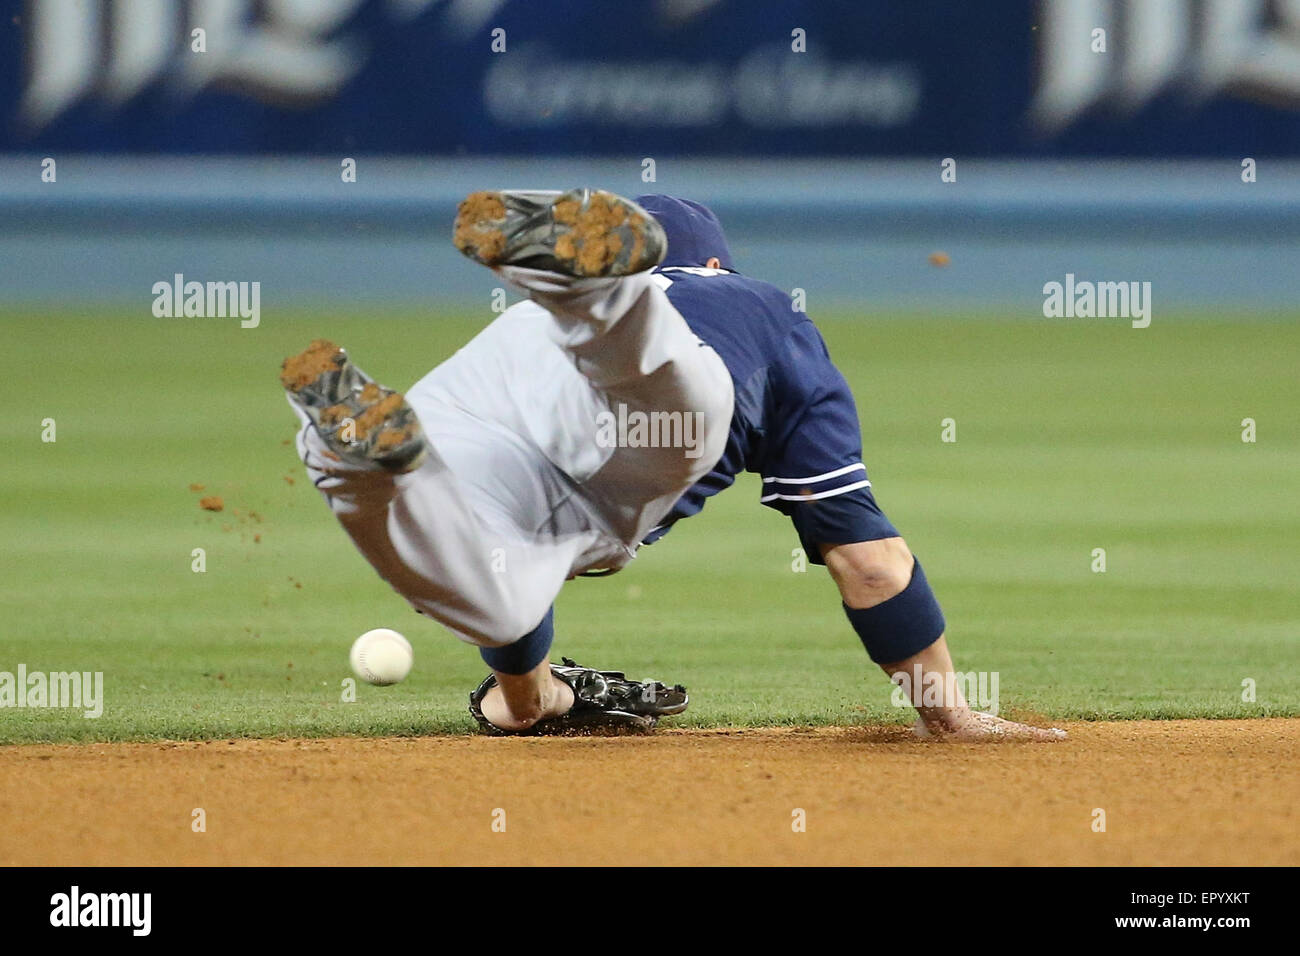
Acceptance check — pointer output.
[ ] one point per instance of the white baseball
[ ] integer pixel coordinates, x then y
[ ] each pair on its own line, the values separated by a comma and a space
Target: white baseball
381, 656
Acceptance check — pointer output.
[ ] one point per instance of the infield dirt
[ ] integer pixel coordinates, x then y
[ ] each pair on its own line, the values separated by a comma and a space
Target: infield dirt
1173, 792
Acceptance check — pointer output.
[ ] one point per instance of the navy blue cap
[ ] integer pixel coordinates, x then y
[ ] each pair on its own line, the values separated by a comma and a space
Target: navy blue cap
694, 232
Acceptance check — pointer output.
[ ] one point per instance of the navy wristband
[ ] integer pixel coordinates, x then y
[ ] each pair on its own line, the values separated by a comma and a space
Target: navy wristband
906, 624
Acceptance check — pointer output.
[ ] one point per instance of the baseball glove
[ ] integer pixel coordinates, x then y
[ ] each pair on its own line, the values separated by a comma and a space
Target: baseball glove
604, 702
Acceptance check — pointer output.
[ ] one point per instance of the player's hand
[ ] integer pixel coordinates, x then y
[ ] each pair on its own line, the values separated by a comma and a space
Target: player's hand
977, 726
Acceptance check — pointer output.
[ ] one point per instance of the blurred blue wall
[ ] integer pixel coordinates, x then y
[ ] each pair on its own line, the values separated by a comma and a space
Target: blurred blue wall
855, 234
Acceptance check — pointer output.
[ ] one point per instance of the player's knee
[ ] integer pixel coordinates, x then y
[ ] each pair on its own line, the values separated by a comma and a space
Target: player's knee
869, 572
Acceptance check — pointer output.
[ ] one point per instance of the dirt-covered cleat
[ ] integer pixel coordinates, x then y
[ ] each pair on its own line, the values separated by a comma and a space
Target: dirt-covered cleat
584, 233
604, 703
360, 420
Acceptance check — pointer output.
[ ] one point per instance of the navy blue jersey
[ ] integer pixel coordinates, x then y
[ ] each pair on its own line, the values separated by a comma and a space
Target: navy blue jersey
795, 421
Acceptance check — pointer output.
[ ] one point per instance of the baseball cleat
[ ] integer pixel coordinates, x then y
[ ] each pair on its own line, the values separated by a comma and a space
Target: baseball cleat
583, 233
604, 702
360, 420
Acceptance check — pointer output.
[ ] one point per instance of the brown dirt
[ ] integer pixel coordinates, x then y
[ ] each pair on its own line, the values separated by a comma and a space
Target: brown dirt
391, 438
373, 416
1174, 792
478, 231
592, 241
212, 503
299, 371
566, 211
334, 414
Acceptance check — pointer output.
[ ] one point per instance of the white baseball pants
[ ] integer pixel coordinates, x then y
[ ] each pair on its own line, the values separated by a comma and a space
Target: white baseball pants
522, 487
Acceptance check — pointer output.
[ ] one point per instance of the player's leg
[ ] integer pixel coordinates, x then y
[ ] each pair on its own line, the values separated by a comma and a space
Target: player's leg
638, 358
603, 344
479, 569
648, 371
583, 257
523, 389
892, 608
406, 511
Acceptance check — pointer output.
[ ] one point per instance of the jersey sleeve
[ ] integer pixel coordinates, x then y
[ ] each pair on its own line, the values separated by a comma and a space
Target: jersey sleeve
814, 470
814, 449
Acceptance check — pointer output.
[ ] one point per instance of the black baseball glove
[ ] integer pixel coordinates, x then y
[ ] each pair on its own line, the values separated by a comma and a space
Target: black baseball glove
604, 702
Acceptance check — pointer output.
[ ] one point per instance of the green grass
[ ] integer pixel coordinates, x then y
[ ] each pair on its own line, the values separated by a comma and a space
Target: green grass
1071, 436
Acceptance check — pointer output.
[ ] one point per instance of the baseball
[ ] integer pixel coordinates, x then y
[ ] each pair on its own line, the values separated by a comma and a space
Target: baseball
381, 656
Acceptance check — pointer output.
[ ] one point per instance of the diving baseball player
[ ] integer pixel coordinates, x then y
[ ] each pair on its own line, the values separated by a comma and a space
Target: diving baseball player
515, 464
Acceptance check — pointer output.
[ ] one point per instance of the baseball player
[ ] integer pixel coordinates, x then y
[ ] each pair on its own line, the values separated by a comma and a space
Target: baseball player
640, 377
